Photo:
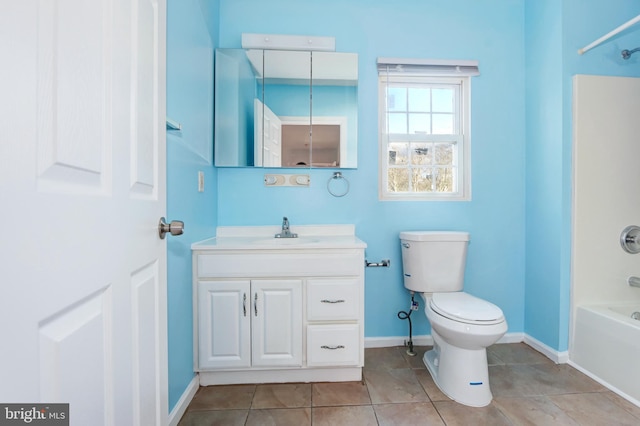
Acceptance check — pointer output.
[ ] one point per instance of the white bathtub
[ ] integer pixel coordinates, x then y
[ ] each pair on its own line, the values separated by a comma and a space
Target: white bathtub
606, 346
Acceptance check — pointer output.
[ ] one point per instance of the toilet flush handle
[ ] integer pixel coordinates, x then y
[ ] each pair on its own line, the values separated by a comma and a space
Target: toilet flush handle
406, 245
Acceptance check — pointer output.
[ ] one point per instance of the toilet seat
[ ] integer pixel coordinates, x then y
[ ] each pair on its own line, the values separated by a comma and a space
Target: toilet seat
465, 308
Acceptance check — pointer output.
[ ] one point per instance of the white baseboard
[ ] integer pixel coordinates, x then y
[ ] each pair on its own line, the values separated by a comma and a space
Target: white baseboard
427, 340
512, 338
181, 406
387, 342
552, 354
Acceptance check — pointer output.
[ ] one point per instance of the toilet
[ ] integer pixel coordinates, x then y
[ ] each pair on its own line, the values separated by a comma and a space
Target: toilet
462, 325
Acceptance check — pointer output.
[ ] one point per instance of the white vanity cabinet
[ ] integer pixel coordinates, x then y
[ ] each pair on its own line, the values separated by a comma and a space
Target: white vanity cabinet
279, 311
248, 323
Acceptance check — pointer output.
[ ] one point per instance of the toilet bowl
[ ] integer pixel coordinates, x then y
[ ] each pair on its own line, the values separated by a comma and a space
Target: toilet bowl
458, 360
462, 325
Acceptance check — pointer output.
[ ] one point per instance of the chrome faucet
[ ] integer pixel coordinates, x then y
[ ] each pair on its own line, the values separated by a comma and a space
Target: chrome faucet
286, 232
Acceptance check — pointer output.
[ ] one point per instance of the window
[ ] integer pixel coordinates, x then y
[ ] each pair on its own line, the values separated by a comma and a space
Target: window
424, 131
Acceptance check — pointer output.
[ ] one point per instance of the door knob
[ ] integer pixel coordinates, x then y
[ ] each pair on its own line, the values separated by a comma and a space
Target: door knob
176, 227
630, 239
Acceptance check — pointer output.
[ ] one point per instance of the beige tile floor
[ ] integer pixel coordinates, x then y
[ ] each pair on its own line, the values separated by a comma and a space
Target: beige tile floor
528, 389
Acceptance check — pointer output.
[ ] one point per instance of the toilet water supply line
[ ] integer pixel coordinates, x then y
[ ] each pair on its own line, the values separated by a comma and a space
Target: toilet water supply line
403, 315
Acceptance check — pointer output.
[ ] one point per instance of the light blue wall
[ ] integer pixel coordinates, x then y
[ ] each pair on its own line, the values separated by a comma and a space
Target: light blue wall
554, 33
490, 31
544, 215
189, 100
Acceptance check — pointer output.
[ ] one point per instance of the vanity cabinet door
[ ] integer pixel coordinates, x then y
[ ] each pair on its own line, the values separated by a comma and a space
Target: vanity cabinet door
224, 321
276, 315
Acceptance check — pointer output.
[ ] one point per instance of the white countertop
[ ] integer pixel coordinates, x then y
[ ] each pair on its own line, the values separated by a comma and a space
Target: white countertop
263, 238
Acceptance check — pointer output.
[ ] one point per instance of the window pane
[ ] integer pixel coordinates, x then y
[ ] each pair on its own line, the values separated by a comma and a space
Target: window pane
397, 99
422, 121
419, 123
421, 153
444, 179
422, 179
398, 123
442, 124
398, 153
443, 153
398, 180
419, 100
442, 100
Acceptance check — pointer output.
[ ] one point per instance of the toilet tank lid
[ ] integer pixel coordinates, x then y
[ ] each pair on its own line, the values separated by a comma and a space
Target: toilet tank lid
434, 236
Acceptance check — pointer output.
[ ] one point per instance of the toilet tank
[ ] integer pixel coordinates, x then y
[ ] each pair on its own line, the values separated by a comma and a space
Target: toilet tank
434, 261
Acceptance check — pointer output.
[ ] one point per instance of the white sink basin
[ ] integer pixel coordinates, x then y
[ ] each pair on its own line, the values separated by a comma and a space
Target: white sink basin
311, 237
286, 241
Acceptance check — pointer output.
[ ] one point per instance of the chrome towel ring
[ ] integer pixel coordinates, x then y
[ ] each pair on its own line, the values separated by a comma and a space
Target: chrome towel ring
338, 185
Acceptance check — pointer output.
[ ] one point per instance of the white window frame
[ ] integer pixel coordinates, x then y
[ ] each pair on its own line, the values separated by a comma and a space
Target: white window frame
462, 146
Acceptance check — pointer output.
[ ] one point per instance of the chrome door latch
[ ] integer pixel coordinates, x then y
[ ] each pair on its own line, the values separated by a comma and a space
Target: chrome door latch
630, 239
176, 227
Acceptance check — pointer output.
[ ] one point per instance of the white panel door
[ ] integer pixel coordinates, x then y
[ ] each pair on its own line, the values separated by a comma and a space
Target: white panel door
224, 324
268, 136
82, 186
276, 323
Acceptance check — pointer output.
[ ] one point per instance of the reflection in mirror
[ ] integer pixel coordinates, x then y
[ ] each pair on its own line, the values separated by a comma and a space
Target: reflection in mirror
335, 109
235, 92
276, 122
287, 93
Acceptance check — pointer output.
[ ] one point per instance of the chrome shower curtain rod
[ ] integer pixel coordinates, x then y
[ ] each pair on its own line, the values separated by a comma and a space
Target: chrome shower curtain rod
610, 34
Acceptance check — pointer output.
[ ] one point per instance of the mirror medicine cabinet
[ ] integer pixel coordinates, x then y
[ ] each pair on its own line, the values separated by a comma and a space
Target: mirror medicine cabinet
285, 108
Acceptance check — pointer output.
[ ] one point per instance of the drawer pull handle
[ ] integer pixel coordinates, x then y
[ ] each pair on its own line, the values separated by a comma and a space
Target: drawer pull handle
333, 348
332, 301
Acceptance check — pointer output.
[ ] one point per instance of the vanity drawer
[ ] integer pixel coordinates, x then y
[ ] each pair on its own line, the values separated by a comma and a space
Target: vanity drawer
333, 299
333, 345
274, 264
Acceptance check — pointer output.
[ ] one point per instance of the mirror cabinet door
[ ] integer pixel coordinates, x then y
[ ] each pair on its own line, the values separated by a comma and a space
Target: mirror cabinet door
236, 88
335, 109
285, 108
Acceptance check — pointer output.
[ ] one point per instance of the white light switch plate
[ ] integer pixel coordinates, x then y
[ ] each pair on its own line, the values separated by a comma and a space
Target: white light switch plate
200, 181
